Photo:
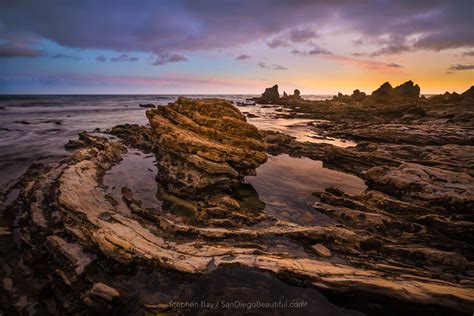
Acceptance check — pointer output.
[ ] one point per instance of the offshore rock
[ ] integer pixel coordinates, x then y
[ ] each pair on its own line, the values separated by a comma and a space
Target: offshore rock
203, 146
271, 95
407, 90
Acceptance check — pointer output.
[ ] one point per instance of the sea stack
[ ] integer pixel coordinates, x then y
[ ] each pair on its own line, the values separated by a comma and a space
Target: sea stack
204, 146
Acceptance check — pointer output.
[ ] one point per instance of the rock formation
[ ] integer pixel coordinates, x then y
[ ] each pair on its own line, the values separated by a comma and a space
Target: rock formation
358, 95
406, 90
453, 97
271, 95
203, 146
384, 91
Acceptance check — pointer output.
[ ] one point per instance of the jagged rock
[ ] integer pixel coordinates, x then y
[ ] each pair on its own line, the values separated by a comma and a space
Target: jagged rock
270, 95
204, 145
469, 93
407, 90
384, 91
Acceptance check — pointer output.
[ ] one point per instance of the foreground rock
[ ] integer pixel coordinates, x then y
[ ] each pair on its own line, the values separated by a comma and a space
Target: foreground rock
204, 145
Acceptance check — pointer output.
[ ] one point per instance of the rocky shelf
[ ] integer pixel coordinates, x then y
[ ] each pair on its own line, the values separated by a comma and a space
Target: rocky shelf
405, 241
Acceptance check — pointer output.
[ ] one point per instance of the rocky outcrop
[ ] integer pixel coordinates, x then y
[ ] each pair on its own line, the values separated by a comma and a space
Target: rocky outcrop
385, 94
100, 256
271, 95
407, 90
203, 146
356, 96
384, 91
405, 244
429, 186
454, 97
469, 93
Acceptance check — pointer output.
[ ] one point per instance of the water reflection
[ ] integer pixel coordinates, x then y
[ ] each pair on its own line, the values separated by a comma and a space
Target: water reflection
285, 185
137, 172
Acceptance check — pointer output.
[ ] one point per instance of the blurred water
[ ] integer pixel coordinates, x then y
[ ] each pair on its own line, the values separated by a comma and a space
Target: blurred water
34, 128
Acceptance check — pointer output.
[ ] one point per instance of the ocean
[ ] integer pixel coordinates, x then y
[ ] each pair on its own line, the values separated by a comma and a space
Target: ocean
34, 128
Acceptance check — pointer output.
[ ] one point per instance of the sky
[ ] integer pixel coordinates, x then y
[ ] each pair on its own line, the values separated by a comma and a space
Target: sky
233, 47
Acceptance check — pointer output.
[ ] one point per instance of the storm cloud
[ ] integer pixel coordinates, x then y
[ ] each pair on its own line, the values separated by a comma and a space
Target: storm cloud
15, 50
175, 27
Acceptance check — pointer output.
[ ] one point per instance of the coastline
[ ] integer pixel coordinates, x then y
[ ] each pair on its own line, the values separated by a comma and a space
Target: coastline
405, 238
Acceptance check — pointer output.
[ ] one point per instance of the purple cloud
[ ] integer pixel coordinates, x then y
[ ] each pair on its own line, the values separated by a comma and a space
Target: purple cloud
301, 35
64, 56
101, 58
243, 57
125, 27
278, 42
165, 58
261, 64
123, 57
297, 35
394, 65
459, 67
9, 50
314, 51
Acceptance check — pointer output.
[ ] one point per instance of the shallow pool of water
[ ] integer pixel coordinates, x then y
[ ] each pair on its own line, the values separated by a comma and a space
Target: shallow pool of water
267, 119
286, 184
136, 171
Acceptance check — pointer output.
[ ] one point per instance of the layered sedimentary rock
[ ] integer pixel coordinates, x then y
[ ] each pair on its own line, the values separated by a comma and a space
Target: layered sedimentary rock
97, 254
204, 146
406, 241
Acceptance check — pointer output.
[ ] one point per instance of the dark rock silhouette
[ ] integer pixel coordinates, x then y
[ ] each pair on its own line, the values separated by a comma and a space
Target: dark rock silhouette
358, 96
405, 90
271, 95
385, 90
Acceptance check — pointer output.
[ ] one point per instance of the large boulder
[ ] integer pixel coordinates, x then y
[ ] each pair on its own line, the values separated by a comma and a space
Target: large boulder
271, 95
204, 146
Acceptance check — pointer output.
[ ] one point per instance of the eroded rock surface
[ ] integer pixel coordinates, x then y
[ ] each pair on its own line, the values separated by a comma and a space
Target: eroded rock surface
405, 244
204, 145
